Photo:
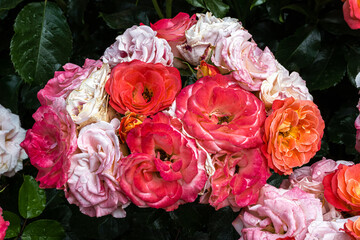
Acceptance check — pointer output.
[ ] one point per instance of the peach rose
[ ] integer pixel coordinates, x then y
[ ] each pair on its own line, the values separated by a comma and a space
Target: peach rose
205, 69
351, 10
342, 188
353, 228
128, 122
293, 134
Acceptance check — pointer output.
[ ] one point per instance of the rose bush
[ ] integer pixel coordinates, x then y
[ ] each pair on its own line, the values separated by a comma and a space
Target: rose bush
221, 115
293, 134
150, 87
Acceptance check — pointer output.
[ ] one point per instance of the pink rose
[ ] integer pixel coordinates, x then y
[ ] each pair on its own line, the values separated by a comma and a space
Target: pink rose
351, 10
139, 43
3, 225
64, 82
50, 144
327, 230
248, 64
92, 183
221, 115
279, 213
170, 171
237, 180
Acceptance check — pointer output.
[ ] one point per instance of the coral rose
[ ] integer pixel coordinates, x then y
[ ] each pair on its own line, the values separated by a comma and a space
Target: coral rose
351, 10
66, 81
175, 159
139, 43
3, 225
342, 188
92, 183
278, 214
237, 180
221, 115
11, 135
50, 144
353, 228
142, 88
293, 134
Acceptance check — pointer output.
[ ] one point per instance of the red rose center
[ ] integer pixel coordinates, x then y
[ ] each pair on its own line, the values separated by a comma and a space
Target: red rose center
147, 95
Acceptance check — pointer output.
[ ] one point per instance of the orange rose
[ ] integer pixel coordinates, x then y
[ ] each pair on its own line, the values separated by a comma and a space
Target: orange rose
342, 188
128, 122
205, 69
353, 229
293, 134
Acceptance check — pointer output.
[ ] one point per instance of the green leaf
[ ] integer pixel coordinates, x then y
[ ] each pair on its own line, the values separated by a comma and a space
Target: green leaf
217, 7
353, 63
43, 229
300, 49
32, 199
334, 23
256, 3
14, 227
42, 42
9, 4
125, 19
297, 8
197, 3
9, 86
276, 179
327, 70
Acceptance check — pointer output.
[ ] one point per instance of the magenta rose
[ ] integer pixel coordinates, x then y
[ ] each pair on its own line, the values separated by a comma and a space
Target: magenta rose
50, 144
92, 183
237, 180
279, 214
64, 82
221, 115
171, 169
3, 225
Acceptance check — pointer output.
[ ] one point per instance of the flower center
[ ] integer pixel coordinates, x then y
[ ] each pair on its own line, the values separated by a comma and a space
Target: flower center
163, 156
147, 95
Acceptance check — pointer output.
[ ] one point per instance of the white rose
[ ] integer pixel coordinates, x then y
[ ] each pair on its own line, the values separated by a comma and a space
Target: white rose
141, 43
204, 34
88, 103
281, 85
11, 135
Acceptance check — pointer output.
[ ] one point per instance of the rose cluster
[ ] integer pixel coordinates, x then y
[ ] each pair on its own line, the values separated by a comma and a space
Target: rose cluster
126, 129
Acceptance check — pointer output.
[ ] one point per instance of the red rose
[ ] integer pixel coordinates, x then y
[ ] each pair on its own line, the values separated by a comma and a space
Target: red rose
142, 88
351, 10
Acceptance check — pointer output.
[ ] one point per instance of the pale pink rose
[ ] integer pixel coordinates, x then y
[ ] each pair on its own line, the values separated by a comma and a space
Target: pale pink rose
139, 43
204, 35
279, 213
66, 81
328, 230
221, 115
281, 85
3, 225
309, 179
246, 62
92, 183
237, 180
173, 173
11, 135
50, 144
357, 126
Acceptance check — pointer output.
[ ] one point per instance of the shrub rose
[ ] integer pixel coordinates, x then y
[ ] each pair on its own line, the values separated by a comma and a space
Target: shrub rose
138, 43
221, 115
88, 103
248, 64
281, 85
353, 228
204, 35
11, 135
149, 89
175, 160
50, 144
278, 213
237, 180
92, 183
293, 134
342, 188
351, 10
3, 225
66, 81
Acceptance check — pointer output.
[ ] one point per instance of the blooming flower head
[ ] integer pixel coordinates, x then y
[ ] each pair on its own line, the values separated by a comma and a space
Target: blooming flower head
352, 228
50, 144
351, 10
3, 225
293, 134
142, 88
11, 135
139, 43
